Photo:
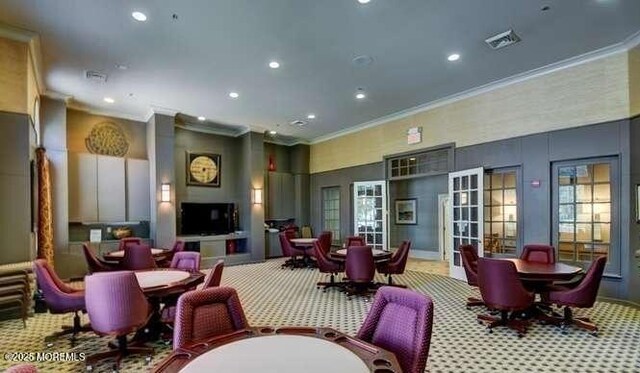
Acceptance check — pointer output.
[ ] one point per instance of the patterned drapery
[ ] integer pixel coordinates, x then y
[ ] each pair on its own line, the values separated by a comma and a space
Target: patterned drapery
45, 208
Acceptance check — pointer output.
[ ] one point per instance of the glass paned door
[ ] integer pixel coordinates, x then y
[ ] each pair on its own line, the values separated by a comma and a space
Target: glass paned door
370, 212
465, 194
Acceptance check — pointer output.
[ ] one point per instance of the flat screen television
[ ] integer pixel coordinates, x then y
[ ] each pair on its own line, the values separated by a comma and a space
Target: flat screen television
206, 218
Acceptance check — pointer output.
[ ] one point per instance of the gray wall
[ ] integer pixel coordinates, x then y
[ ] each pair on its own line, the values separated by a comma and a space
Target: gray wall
535, 155
343, 178
251, 154
423, 235
633, 265
15, 188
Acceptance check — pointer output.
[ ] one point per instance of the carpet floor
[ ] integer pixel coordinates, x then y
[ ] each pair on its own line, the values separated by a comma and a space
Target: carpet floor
277, 297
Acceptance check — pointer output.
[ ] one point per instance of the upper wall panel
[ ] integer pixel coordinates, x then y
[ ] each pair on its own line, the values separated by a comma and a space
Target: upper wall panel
593, 92
634, 81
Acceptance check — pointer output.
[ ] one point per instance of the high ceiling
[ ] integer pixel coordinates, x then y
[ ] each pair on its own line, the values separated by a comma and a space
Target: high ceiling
190, 62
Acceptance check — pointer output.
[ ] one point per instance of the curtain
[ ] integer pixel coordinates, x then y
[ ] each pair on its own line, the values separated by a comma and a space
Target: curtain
45, 208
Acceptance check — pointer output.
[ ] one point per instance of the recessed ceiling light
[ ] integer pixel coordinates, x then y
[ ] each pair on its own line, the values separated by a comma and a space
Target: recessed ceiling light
360, 94
274, 64
453, 57
272, 132
311, 116
139, 16
201, 118
109, 100
234, 94
364, 1
120, 66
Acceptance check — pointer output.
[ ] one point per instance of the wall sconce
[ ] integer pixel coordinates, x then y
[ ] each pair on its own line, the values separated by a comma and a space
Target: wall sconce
256, 196
165, 192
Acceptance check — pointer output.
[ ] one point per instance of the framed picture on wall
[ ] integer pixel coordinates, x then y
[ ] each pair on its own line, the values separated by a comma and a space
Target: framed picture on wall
406, 211
203, 169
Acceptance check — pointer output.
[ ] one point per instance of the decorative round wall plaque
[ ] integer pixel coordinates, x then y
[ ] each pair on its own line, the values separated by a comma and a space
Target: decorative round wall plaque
107, 139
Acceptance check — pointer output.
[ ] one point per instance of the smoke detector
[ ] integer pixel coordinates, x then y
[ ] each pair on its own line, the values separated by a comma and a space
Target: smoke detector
503, 39
95, 76
299, 123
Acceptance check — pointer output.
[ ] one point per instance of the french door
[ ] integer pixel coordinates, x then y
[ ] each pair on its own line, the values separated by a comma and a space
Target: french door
465, 194
370, 212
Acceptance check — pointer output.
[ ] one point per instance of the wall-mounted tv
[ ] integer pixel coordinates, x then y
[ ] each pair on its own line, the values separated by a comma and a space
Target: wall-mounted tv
206, 218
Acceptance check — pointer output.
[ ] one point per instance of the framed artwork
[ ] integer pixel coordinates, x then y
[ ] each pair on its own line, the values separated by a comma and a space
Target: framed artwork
406, 211
203, 169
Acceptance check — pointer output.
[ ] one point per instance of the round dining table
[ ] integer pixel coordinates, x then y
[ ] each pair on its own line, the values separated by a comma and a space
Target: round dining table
543, 272
378, 255
117, 256
269, 349
305, 244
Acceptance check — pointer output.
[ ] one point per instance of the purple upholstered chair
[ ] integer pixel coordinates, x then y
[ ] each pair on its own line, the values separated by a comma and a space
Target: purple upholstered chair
125, 242
400, 321
137, 257
186, 260
116, 306
22, 368
206, 313
539, 253
397, 263
469, 257
214, 277
94, 264
355, 241
60, 298
360, 270
581, 296
326, 265
503, 291
325, 241
178, 246
289, 251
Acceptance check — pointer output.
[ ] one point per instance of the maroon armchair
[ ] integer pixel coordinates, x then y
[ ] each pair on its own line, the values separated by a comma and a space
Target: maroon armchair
60, 298
186, 260
138, 257
503, 291
581, 296
325, 241
355, 241
400, 321
206, 313
125, 242
214, 277
178, 246
94, 264
326, 265
360, 270
290, 251
396, 264
469, 257
539, 253
116, 306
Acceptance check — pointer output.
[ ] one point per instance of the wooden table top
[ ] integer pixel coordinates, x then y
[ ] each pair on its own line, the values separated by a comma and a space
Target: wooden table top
284, 349
544, 272
303, 241
165, 281
378, 255
118, 255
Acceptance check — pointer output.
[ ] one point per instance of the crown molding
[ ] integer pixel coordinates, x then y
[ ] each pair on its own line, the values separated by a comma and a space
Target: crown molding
58, 96
35, 51
16, 33
595, 55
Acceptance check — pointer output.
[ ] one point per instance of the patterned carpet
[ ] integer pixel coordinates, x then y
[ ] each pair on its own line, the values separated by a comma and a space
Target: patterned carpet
272, 296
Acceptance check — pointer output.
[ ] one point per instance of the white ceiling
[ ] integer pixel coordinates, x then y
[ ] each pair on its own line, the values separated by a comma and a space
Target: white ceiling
191, 64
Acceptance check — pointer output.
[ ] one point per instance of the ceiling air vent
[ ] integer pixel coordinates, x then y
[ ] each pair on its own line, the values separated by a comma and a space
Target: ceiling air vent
95, 76
299, 123
503, 39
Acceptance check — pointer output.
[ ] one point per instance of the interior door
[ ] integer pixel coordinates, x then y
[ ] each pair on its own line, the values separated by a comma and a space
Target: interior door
370, 212
465, 194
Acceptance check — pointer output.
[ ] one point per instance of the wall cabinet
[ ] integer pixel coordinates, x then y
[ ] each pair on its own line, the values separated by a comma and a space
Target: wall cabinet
106, 189
281, 198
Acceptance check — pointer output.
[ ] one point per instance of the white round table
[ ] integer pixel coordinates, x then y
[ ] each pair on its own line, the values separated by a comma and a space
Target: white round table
303, 241
278, 354
150, 279
375, 252
120, 253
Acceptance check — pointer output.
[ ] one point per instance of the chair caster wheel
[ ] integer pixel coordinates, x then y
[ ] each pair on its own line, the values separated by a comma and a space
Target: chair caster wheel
594, 333
114, 369
520, 335
489, 330
89, 368
147, 359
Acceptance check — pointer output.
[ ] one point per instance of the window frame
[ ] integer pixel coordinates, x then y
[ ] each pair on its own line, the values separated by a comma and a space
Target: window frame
519, 208
613, 267
335, 238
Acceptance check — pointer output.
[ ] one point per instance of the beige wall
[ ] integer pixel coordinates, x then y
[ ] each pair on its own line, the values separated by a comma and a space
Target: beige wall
592, 92
634, 81
80, 123
32, 87
13, 76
